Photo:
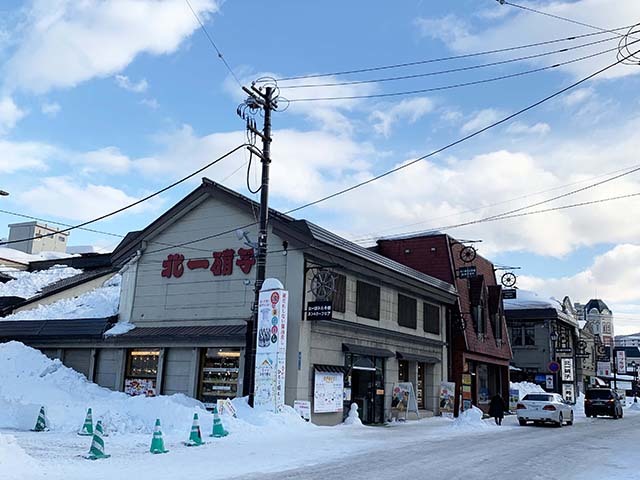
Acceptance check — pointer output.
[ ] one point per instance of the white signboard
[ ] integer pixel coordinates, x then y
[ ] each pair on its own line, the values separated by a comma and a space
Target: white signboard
604, 369
303, 407
271, 350
621, 361
566, 365
447, 399
549, 382
568, 392
328, 392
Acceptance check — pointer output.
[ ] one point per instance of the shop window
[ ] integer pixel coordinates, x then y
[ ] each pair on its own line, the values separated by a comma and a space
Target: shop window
367, 300
480, 319
340, 293
529, 336
483, 384
431, 314
403, 371
142, 372
407, 312
218, 375
496, 324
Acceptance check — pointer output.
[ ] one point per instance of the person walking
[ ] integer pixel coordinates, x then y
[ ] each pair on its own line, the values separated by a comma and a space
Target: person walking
497, 408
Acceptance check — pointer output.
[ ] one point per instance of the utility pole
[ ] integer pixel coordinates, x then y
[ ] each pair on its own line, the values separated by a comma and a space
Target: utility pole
265, 101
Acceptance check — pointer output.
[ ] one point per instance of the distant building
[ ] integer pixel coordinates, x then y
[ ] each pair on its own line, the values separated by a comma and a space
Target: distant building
52, 240
628, 340
599, 317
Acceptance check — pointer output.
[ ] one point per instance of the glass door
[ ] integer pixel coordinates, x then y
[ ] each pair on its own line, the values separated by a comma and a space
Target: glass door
218, 375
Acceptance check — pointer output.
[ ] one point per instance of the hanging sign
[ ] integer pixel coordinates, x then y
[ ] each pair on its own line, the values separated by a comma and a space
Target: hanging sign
568, 392
328, 392
271, 347
509, 293
447, 399
567, 369
467, 272
320, 310
603, 369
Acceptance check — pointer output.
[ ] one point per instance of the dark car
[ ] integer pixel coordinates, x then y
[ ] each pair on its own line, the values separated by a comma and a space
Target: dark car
602, 401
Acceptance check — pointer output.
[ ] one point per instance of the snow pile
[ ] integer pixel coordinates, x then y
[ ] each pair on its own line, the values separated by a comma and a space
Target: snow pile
525, 388
634, 406
14, 461
83, 249
28, 284
119, 328
527, 299
470, 419
19, 256
28, 380
101, 302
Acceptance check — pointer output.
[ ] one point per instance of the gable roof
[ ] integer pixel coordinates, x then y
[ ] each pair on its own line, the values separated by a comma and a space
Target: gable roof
311, 234
596, 303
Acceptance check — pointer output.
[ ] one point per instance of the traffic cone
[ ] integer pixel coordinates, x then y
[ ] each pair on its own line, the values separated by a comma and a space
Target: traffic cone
218, 428
87, 428
41, 422
195, 438
157, 443
96, 451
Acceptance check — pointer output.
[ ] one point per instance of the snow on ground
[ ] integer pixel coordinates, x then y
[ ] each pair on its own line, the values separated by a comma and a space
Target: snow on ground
28, 284
469, 420
14, 461
100, 302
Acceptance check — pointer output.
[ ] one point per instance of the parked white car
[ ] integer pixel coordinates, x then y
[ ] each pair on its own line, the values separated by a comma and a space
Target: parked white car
544, 408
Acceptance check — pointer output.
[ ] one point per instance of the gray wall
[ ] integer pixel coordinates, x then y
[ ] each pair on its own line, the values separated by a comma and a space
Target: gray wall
178, 371
110, 368
79, 359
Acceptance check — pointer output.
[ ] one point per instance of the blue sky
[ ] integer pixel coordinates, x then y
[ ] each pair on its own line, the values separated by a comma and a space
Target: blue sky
104, 102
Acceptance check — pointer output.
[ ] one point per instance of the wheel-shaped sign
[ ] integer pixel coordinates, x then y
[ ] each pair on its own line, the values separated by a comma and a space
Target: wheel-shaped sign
468, 254
508, 280
323, 285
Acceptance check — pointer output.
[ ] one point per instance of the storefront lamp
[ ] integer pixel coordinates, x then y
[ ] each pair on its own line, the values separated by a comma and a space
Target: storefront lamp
554, 336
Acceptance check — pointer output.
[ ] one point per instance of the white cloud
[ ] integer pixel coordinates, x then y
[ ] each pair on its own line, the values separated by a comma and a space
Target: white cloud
50, 109
481, 119
519, 128
410, 110
108, 160
16, 156
66, 42
152, 103
137, 87
578, 96
613, 277
66, 198
10, 114
521, 27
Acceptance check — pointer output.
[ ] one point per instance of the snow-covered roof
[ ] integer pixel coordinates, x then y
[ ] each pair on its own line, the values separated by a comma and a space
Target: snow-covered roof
80, 249
28, 284
527, 299
101, 302
13, 255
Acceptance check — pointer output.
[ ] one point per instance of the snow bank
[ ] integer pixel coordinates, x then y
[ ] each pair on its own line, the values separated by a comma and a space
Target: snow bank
525, 388
469, 420
98, 303
14, 461
28, 284
28, 380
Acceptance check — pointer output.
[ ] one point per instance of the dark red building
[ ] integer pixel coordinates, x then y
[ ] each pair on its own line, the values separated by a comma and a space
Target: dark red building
479, 343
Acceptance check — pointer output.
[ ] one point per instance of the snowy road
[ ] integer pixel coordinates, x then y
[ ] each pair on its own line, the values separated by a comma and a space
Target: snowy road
599, 448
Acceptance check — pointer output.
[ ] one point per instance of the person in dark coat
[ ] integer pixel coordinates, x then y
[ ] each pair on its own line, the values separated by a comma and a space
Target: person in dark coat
497, 408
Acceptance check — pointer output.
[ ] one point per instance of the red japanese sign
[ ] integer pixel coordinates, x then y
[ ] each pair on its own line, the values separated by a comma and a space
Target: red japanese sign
221, 265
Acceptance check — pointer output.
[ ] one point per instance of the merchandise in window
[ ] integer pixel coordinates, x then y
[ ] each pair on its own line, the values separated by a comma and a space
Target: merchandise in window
142, 371
219, 375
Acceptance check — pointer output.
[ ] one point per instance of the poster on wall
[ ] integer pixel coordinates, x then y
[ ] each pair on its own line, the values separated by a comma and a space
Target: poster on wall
271, 347
604, 369
328, 392
403, 399
514, 398
447, 399
139, 386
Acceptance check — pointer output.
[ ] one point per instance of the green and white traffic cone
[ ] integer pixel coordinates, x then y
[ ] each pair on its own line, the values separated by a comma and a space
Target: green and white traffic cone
96, 451
218, 428
157, 443
195, 438
41, 422
87, 428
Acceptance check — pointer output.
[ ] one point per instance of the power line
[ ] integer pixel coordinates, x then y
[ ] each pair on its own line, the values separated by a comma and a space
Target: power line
461, 140
456, 85
376, 234
213, 44
451, 70
137, 202
39, 219
444, 59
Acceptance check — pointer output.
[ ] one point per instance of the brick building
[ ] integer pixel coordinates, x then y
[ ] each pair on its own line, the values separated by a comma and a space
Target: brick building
480, 349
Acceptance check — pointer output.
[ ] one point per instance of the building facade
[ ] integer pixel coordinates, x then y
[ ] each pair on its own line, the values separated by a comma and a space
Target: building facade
187, 289
480, 350
51, 239
600, 317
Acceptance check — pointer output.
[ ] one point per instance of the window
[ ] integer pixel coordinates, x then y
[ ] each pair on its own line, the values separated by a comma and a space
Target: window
407, 312
403, 371
142, 372
480, 319
367, 300
219, 375
340, 293
496, 324
529, 335
431, 317
516, 336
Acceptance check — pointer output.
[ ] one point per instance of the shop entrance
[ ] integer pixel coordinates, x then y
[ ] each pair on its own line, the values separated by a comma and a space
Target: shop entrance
367, 386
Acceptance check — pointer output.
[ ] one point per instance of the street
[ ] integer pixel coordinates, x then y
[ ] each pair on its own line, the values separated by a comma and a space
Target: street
598, 448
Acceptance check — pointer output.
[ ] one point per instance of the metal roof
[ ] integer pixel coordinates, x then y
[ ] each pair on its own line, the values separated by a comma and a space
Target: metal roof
330, 368
596, 303
38, 330
196, 332
329, 238
417, 358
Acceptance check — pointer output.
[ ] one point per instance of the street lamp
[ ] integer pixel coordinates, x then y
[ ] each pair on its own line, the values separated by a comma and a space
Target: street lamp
554, 336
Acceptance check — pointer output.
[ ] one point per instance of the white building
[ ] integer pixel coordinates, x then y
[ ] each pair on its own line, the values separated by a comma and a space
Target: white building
51, 239
599, 318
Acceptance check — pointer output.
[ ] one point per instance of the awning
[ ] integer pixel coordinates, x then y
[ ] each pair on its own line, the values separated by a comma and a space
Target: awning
46, 330
370, 351
177, 334
330, 368
417, 357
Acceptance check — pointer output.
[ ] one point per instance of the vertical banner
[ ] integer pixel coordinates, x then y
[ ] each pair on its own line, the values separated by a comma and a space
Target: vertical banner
567, 369
568, 392
271, 350
447, 399
621, 362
